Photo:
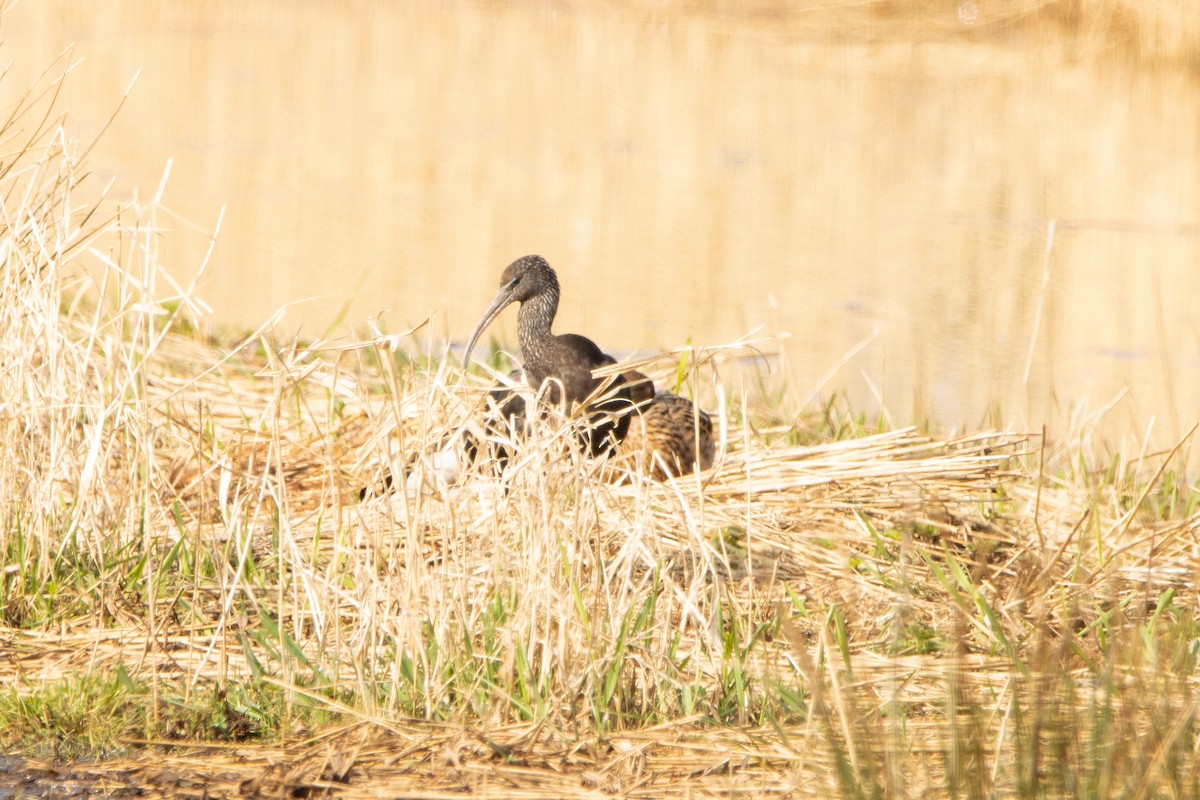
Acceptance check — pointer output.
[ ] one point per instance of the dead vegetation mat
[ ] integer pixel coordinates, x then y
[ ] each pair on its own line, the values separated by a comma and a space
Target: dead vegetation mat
834, 553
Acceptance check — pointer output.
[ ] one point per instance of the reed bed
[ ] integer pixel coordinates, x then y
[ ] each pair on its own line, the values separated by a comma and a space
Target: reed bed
205, 580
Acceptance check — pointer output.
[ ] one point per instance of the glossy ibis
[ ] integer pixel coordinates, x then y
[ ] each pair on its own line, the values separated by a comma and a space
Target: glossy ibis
558, 366
624, 413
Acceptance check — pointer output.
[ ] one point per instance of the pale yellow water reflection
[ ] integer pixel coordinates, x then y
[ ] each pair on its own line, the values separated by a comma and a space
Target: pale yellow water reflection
1009, 227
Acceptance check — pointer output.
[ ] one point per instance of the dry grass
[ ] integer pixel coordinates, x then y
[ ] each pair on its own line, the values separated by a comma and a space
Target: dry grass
879, 613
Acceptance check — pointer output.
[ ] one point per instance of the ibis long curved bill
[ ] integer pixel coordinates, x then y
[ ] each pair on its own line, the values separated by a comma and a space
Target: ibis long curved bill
503, 299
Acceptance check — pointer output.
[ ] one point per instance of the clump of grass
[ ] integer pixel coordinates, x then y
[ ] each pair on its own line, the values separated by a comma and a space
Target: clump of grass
79, 321
242, 711
80, 716
93, 716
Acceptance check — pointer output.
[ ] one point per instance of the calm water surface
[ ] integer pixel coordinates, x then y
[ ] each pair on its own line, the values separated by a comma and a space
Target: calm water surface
963, 231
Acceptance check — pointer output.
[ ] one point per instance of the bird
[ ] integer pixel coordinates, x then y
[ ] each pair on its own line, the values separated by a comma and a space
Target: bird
559, 367
626, 415
667, 433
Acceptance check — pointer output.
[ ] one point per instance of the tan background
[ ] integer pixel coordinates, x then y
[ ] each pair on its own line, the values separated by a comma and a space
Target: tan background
694, 171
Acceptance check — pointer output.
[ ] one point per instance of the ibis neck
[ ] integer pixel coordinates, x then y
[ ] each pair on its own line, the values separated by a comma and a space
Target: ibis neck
533, 331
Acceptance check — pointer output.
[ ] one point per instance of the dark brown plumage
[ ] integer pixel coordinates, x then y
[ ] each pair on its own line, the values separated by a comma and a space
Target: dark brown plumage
624, 414
557, 365
670, 436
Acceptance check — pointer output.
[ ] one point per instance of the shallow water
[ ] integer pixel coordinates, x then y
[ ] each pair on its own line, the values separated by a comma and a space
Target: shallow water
24, 780
969, 232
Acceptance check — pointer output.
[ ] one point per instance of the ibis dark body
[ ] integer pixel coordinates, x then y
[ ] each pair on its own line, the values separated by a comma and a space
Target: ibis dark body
558, 366
623, 414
